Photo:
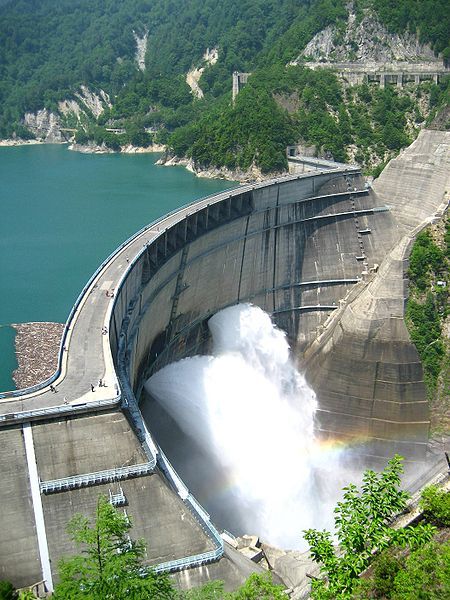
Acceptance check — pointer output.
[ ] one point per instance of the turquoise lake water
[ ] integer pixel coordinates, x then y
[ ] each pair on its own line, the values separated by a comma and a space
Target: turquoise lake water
62, 214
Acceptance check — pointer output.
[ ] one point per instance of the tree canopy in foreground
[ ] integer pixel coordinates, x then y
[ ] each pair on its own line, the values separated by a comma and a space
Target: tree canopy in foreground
362, 527
110, 565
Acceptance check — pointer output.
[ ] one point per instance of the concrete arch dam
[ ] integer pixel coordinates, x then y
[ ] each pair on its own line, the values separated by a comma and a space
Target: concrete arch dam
324, 254
300, 249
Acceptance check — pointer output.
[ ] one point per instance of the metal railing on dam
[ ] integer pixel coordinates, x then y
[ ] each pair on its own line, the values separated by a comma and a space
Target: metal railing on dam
57, 412
201, 516
107, 476
260, 243
158, 227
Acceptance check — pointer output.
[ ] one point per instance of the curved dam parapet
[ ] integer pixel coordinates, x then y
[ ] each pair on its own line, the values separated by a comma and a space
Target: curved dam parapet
321, 252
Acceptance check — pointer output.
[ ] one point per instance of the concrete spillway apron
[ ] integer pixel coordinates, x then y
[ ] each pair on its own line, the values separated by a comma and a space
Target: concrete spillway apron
37, 506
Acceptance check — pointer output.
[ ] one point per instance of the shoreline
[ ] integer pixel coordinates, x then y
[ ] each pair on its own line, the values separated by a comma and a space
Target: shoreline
252, 175
103, 149
8, 143
86, 149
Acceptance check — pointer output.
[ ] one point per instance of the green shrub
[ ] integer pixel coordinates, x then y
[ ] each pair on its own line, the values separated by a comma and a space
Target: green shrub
422, 575
385, 568
435, 503
426, 574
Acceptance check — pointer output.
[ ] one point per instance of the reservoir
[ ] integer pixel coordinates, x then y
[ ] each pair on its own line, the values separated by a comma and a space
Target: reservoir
62, 214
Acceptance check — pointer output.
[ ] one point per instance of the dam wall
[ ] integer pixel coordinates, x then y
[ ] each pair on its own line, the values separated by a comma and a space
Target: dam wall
298, 248
363, 362
208, 260
236, 250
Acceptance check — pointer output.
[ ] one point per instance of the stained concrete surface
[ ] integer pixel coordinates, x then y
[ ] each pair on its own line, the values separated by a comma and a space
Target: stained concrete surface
262, 240
74, 446
18, 543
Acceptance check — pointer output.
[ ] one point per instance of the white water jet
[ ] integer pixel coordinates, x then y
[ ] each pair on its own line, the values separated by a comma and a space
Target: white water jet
250, 415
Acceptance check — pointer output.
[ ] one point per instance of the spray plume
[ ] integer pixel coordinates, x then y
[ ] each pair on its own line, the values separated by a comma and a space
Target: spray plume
246, 417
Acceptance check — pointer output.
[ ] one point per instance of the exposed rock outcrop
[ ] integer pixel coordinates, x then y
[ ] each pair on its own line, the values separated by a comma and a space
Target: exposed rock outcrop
251, 175
67, 107
130, 149
193, 76
44, 125
18, 142
93, 148
47, 126
92, 101
365, 40
141, 49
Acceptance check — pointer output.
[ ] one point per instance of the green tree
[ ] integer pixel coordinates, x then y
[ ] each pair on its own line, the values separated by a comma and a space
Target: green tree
362, 529
384, 570
26, 595
260, 587
110, 565
425, 331
112, 141
257, 587
213, 590
426, 574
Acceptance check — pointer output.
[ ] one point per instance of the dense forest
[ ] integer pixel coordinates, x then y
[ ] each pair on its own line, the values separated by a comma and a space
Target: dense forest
427, 313
48, 50
320, 112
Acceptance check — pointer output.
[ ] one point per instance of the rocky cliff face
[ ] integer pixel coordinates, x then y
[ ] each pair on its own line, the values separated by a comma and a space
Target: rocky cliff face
92, 101
45, 125
365, 40
210, 57
67, 107
141, 49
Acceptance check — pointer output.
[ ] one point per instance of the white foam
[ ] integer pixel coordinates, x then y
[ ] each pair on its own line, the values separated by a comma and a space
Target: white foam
252, 414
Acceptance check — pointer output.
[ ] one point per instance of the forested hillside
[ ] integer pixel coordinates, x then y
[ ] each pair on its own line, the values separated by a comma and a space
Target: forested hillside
281, 105
49, 49
428, 315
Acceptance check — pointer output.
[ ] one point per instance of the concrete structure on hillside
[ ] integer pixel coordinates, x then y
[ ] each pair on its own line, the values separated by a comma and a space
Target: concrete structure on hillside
239, 80
396, 73
302, 163
323, 253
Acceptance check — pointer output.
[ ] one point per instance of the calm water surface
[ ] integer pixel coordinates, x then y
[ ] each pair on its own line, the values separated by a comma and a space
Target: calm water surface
62, 213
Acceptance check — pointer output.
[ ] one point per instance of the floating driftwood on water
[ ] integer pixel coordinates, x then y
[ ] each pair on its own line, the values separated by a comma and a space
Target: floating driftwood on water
37, 347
